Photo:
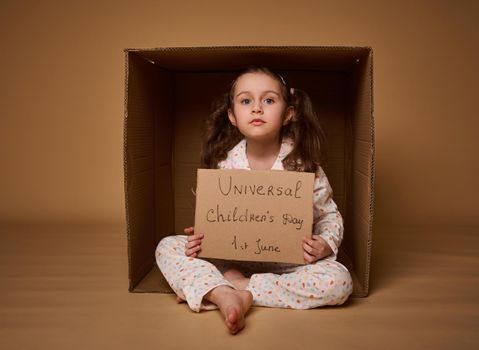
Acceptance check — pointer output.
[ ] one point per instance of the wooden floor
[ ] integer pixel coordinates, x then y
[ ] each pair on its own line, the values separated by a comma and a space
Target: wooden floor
66, 287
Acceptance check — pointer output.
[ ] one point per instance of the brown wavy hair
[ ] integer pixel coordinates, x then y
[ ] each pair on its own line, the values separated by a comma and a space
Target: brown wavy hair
304, 129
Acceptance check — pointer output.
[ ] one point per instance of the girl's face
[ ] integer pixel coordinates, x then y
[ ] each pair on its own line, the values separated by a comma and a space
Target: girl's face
259, 110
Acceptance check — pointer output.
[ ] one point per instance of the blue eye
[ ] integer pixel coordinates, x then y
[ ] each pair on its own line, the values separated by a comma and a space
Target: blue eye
269, 101
245, 101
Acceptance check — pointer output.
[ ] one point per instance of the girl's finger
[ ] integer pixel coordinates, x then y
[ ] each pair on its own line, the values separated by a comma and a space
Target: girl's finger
308, 257
308, 241
314, 245
195, 237
308, 248
322, 248
193, 243
193, 252
318, 243
189, 230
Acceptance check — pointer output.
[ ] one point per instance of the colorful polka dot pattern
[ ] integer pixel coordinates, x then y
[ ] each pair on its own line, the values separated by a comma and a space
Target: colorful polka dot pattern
326, 282
190, 278
327, 221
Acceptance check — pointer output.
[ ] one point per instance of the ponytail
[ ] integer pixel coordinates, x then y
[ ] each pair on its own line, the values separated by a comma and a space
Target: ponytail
219, 135
305, 130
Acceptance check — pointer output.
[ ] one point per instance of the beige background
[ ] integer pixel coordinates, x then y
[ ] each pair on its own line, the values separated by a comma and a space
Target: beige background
61, 97
64, 286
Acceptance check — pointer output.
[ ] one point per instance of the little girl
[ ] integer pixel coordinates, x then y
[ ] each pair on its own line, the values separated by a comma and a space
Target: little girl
262, 124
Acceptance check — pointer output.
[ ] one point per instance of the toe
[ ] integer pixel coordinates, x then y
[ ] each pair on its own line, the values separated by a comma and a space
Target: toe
233, 315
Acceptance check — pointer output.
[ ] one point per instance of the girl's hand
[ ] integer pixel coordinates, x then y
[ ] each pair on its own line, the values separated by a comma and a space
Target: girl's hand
193, 246
315, 248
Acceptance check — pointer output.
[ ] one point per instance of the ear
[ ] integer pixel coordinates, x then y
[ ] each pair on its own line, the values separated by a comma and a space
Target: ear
231, 117
289, 115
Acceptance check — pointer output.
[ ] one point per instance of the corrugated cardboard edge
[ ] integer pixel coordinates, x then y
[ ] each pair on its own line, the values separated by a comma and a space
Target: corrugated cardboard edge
373, 176
132, 283
125, 169
253, 47
272, 48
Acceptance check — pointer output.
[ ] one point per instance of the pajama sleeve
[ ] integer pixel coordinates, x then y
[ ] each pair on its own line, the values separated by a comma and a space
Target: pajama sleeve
327, 221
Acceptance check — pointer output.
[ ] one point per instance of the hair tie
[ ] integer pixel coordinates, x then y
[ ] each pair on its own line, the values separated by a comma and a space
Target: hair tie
282, 79
291, 91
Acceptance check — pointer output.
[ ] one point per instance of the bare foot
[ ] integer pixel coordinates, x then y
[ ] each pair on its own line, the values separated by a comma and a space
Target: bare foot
179, 300
233, 304
237, 278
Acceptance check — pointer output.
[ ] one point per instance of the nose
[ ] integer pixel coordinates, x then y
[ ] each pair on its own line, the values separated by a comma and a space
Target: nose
257, 108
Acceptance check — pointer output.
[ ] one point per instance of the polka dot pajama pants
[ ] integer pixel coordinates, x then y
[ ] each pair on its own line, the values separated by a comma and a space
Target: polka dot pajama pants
326, 282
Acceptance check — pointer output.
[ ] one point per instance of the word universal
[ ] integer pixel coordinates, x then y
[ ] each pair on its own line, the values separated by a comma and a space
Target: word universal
228, 188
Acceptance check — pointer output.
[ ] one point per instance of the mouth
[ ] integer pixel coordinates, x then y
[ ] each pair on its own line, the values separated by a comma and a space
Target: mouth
257, 121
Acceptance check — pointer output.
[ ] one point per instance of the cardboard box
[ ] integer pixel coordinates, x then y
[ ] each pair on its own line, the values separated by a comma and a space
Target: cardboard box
168, 94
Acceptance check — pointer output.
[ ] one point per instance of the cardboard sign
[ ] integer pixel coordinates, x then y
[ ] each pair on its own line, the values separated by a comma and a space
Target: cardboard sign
254, 215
